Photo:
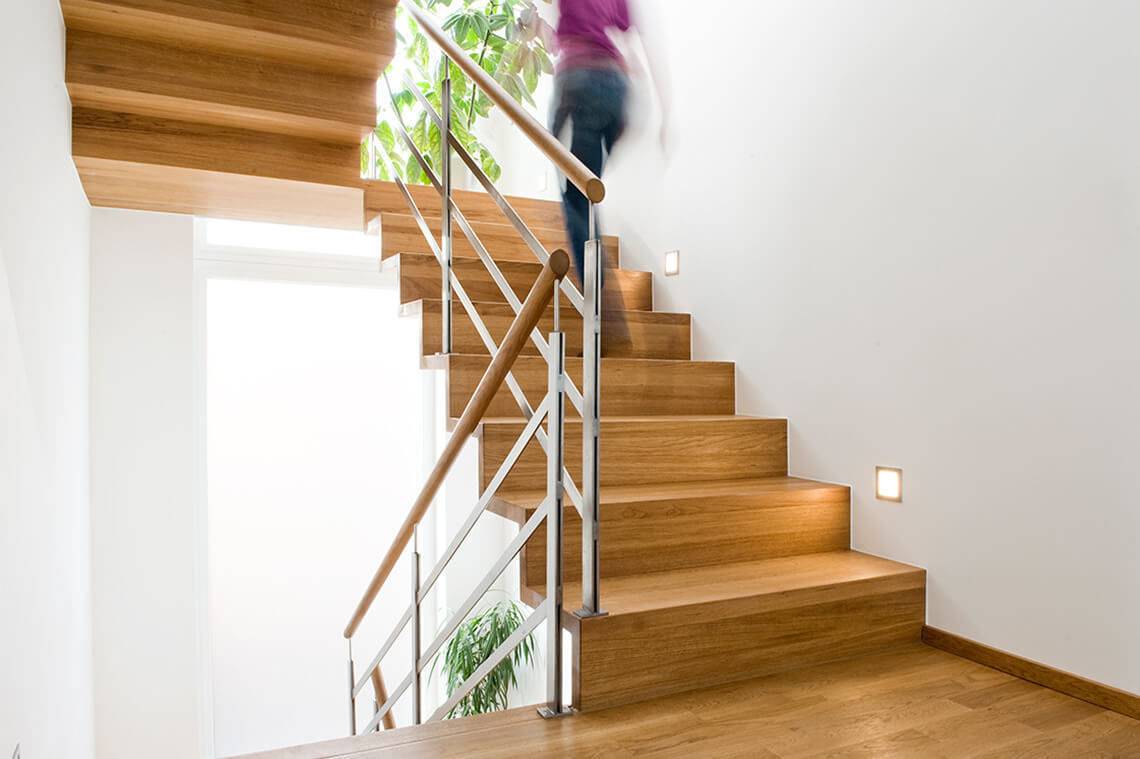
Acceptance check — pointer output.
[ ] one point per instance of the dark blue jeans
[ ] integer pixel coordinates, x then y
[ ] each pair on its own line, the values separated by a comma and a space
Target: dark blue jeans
592, 103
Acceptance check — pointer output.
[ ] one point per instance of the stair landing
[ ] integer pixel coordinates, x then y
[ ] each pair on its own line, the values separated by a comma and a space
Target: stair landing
912, 701
668, 632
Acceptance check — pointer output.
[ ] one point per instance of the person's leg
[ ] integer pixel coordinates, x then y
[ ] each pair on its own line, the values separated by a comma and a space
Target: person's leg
582, 111
616, 336
586, 144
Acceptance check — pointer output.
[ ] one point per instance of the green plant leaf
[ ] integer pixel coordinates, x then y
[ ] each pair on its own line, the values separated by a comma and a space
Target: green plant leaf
480, 25
413, 173
471, 645
387, 137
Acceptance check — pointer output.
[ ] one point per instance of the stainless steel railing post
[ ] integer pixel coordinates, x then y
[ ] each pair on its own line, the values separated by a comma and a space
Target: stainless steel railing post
555, 459
351, 692
591, 422
415, 625
372, 172
445, 221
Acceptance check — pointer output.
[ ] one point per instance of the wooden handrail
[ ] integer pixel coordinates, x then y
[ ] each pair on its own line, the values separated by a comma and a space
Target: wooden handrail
532, 309
569, 164
382, 698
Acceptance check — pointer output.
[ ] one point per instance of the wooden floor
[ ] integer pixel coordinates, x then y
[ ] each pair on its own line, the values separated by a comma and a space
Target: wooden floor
912, 702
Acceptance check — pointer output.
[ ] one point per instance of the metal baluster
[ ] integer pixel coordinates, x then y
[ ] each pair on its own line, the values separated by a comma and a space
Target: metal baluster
373, 170
351, 692
591, 423
555, 463
416, 627
445, 177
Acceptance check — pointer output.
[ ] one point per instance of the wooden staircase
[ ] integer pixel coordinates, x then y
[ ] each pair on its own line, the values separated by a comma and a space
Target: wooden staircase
716, 565
252, 109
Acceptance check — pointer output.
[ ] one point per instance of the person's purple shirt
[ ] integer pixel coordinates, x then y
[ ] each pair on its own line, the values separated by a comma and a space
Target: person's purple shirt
582, 37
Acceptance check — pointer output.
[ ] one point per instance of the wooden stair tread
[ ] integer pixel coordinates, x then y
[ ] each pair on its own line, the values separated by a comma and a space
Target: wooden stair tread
688, 628
149, 140
439, 361
532, 499
401, 233
485, 307
663, 420
665, 387
652, 334
635, 594
353, 38
217, 194
151, 78
640, 449
418, 275
477, 206
663, 527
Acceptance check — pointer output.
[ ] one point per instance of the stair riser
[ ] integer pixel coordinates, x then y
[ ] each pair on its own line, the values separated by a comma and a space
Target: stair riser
117, 74
633, 387
631, 658
136, 139
477, 207
668, 534
168, 189
643, 453
419, 278
352, 38
401, 234
652, 335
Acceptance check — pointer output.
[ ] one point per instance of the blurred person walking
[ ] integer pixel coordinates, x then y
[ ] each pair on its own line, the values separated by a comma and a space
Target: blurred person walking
591, 95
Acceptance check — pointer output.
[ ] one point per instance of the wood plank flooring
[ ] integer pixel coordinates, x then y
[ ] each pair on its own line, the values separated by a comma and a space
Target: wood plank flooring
913, 702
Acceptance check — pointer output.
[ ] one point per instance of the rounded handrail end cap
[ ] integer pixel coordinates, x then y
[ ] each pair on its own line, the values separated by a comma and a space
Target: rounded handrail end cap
559, 263
595, 190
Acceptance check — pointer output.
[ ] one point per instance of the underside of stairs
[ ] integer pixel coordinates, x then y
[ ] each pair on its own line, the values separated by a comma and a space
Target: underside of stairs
716, 565
250, 110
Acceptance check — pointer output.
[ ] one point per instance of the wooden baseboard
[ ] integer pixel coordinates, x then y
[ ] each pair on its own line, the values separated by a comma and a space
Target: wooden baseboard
1102, 695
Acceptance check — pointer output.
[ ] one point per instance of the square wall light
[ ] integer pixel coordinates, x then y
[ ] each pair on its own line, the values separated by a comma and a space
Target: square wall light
888, 484
672, 263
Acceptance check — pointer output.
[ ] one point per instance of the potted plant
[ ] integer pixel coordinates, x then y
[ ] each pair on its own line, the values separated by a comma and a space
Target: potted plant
473, 643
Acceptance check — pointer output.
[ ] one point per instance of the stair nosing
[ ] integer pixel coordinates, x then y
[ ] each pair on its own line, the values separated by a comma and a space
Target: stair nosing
532, 500
903, 571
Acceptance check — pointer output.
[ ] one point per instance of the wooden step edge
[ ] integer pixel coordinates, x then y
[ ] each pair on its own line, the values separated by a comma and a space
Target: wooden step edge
408, 220
383, 196
660, 318
170, 189
726, 608
626, 419
894, 577
612, 249
523, 503
139, 139
611, 360
392, 263
286, 42
508, 261
216, 113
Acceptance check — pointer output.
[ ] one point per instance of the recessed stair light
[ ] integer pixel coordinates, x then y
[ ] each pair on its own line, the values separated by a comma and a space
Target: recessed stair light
888, 483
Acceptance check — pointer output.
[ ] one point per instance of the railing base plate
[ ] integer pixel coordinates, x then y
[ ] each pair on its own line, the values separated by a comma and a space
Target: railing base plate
584, 613
547, 713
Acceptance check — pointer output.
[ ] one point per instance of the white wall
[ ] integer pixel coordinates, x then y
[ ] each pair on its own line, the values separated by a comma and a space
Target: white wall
45, 603
915, 224
148, 619
315, 421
